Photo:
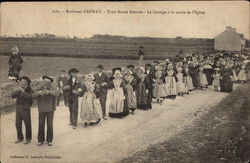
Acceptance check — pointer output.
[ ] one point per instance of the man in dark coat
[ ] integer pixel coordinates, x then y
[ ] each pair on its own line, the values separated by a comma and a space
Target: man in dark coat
23, 103
194, 73
46, 99
226, 82
101, 80
61, 82
73, 86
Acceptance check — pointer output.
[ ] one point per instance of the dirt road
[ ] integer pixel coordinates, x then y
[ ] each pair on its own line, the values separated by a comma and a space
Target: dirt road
110, 140
220, 136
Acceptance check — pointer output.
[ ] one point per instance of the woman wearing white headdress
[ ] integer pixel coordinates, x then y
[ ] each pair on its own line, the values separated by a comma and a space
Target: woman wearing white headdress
242, 76
91, 107
117, 103
159, 92
202, 77
170, 79
180, 85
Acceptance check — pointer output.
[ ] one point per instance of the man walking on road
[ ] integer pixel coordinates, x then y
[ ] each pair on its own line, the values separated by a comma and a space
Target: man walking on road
101, 80
73, 85
23, 103
46, 97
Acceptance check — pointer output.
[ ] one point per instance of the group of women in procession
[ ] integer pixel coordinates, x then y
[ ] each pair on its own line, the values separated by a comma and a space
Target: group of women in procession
125, 89
130, 88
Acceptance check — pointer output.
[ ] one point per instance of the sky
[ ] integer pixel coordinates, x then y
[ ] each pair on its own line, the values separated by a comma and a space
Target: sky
30, 17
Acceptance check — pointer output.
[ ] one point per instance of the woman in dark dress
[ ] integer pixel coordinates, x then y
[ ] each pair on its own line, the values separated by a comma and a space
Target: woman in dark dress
194, 73
226, 79
150, 75
142, 91
208, 70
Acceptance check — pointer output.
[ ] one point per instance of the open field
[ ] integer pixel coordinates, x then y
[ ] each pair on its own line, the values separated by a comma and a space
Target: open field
35, 67
105, 46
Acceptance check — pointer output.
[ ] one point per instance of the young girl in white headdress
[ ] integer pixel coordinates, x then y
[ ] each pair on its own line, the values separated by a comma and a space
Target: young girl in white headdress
159, 91
242, 76
216, 81
188, 79
170, 80
180, 85
91, 107
203, 77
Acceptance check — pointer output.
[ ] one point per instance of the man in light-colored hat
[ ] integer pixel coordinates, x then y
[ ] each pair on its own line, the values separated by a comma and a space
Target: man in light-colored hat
46, 100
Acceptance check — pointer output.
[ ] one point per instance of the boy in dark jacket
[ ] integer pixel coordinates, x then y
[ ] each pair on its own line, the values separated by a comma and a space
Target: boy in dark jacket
61, 82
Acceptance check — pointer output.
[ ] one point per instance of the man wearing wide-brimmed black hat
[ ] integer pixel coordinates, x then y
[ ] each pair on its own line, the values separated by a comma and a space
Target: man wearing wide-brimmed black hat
46, 100
61, 82
101, 80
73, 86
23, 103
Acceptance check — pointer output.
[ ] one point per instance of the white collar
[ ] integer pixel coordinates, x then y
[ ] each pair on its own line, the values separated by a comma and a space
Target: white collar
74, 79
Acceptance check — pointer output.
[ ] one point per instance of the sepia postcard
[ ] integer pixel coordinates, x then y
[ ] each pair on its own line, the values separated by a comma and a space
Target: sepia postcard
153, 81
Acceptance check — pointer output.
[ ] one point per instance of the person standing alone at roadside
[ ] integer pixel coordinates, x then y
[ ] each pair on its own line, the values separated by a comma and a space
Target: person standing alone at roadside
15, 63
141, 54
23, 103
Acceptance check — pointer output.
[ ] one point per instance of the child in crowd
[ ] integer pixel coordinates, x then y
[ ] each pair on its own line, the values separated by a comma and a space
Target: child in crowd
203, 77
216, 81
242, 76
159, 90
170, 79
188, 82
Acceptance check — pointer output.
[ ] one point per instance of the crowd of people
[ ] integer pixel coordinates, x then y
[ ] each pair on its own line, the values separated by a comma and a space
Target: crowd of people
119, 93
